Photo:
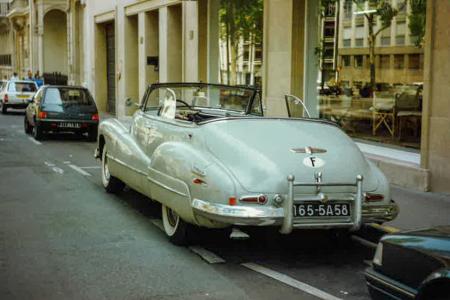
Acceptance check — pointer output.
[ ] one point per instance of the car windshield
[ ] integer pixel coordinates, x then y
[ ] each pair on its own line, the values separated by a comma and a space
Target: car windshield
215, 97
67, 96
21, 87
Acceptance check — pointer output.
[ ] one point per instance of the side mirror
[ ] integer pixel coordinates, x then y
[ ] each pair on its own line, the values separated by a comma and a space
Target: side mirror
130, 103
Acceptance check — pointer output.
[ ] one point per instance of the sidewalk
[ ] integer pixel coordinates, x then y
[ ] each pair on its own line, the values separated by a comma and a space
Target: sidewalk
420, 209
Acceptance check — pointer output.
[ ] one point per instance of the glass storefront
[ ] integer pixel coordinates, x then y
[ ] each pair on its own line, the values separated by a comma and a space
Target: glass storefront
240, 42
373, 90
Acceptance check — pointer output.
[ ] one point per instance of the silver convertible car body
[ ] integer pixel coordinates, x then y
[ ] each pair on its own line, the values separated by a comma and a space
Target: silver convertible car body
211, 158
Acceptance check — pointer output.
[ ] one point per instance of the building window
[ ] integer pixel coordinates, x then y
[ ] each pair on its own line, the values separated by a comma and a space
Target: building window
345, 60
399, 61
385, 41
414, 61
400, 40
348, 6
359, 42
5, 60
347, 43
385, 62
358, 59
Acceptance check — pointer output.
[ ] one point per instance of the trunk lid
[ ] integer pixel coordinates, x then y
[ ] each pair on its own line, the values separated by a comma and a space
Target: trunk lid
260, 154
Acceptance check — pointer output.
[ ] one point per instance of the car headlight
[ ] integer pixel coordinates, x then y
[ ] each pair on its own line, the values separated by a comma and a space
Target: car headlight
378, 258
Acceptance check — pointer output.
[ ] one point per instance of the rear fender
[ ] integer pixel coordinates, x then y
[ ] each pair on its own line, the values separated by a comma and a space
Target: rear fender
175, 166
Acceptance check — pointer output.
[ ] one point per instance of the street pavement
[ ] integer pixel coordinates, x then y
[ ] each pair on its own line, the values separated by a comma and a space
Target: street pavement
63, 237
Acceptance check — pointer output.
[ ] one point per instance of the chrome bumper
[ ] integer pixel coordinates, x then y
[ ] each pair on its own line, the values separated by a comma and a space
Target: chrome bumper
283, 216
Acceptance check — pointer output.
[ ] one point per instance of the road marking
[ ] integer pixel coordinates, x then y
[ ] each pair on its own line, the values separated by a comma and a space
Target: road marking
385, 228
364, 242
58, 170
207, 255
49, 164
67, 162
34, 141
290, 281
158, 223
79, 170
93, 167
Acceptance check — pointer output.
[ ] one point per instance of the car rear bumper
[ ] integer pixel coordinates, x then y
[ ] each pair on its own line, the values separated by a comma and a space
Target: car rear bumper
383, 287
18, 105
55, 125
271, 215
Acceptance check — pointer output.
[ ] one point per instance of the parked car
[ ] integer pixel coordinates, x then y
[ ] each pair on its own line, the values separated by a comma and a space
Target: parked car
62, 109
17, 94
412, 265
2, 84
211, 157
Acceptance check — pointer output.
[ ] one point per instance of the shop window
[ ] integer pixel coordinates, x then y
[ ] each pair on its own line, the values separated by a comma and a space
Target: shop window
358, 59
385, 61
399, 61
414, 61
346, 60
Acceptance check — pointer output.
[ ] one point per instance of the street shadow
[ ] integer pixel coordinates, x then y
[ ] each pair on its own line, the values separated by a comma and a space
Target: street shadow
14, 113
66, 137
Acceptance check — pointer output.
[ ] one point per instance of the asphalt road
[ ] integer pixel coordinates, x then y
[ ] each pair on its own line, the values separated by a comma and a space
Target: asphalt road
63, 237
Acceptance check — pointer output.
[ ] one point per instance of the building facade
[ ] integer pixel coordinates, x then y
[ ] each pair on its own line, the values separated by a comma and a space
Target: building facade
116, 48
397, 58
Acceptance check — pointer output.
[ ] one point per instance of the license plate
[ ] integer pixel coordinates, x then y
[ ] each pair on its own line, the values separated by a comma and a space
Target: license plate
69, 125
23, 96
322, 210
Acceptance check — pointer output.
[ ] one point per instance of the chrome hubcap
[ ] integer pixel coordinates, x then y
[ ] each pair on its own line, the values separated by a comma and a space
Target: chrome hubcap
172, 217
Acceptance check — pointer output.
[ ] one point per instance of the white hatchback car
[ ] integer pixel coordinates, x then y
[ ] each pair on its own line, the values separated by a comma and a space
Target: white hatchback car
17, 94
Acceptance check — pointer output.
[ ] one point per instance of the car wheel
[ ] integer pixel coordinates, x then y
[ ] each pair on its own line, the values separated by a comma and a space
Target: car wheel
27, 126
38, 133
92, 134
175, 228
110, 183
4, 108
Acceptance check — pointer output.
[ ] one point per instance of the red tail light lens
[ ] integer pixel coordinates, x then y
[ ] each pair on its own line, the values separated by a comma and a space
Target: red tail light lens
232, 201
259, 199
369, 197
95, 117
42, 115
5, 98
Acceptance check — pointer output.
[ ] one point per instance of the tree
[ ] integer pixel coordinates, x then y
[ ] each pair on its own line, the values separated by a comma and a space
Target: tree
417, 20
239, 20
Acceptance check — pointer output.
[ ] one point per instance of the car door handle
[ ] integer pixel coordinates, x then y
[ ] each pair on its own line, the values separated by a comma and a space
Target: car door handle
149, 126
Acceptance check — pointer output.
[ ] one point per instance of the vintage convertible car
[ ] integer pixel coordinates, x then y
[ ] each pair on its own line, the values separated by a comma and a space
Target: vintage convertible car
208, 154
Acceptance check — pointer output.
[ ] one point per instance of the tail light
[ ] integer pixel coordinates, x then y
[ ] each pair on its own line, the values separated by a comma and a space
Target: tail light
42, 115
258, 199
232, 201
95, 117
369, 197
5, 98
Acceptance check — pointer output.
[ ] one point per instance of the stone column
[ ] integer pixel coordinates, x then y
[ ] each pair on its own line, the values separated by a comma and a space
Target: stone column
213, 41
277, 54
143, 24
190, 41
163, 72
435, 144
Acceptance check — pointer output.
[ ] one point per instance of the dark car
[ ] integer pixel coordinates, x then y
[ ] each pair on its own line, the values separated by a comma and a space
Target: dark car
62, 109
412, 265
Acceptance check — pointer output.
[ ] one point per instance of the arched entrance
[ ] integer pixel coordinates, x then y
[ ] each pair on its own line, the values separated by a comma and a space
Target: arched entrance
55, 42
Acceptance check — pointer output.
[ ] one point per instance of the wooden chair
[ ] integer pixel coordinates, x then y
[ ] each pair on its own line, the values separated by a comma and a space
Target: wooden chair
383, 113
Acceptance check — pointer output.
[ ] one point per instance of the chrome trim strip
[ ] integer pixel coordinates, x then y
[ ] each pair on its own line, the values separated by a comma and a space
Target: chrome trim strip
166, 187
169, 188
410, 294
125, 165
